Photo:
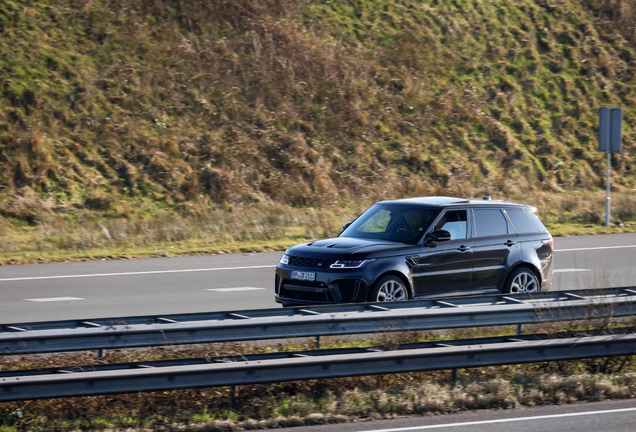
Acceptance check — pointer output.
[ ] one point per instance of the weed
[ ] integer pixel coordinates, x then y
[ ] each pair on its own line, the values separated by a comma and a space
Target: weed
330, 400
238, 228
113, 110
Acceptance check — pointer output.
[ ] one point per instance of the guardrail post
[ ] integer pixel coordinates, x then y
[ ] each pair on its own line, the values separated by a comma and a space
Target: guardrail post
234, 393
519, 329
317, 342
100, 355
454, 377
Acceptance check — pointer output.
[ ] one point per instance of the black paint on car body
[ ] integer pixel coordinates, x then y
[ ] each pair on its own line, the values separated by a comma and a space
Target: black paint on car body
421, 247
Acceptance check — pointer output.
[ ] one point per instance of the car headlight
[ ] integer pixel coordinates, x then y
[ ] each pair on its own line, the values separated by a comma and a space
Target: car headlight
351, 264
284, 259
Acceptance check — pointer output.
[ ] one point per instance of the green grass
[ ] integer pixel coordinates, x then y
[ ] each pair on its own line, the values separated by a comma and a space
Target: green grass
240, 229
120, 110
212, 234
586, 229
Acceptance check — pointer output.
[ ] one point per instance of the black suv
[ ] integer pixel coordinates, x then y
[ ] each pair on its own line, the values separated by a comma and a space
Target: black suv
421, 247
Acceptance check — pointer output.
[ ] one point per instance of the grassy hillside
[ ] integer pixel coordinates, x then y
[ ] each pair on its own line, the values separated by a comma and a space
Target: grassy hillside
140, 110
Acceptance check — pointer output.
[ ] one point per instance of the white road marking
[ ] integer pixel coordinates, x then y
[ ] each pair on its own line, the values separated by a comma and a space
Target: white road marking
234, 289
223, 268
474, 423
567, 270
54, 299
134, 273
595, 248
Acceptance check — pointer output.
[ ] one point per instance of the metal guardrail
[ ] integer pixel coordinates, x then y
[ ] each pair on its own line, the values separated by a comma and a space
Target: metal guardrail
100, 367
196, 373
114, 333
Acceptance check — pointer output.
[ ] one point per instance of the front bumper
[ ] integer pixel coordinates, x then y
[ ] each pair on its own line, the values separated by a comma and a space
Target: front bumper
343, 286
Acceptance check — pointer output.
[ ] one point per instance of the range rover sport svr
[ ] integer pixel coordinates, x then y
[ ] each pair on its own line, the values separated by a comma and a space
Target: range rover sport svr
421, 247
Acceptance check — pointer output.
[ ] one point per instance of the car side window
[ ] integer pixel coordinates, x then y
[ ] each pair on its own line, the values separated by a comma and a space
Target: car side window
455, 222
521, 221
490, 222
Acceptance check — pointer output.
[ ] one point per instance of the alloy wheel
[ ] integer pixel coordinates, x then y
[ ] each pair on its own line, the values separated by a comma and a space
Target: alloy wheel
524, 283
391, 291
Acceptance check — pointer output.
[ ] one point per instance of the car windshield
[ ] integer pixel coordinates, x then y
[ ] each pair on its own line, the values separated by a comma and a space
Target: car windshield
391, 222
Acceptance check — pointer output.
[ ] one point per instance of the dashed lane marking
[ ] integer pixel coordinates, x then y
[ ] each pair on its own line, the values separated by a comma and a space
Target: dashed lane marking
54, 299
234, 289
595, 248
568, 270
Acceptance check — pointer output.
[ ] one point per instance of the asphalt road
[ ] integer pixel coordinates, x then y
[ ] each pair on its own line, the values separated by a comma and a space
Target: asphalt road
45, 292
614, 416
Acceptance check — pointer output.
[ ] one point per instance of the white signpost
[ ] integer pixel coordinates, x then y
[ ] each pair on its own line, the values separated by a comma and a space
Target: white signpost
609, 141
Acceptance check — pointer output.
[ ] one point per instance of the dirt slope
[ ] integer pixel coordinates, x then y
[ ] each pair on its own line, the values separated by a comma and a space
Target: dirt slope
167, 102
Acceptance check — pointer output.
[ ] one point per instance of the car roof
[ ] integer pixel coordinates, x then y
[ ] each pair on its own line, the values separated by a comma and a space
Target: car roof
443, 201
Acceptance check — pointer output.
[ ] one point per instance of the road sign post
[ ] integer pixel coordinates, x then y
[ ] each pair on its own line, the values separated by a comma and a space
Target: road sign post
609, 141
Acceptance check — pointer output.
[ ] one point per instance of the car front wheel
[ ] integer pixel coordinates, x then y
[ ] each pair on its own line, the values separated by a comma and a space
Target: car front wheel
389, 289
522, 280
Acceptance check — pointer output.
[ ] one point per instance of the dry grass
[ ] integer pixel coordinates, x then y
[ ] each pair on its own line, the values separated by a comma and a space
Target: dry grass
325, 401
200, 229
621, 13
322, 401
125, 109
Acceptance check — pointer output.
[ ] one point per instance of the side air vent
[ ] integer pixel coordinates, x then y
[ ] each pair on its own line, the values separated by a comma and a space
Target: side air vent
413, 260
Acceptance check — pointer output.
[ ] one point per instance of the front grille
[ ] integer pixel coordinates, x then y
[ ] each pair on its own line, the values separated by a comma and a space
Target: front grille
291, 294
309, 262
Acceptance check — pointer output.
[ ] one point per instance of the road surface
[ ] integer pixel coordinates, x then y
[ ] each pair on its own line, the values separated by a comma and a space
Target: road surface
611, 416
82, 290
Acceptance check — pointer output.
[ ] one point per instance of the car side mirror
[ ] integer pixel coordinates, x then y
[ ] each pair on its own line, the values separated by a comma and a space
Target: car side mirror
436, 236
347, 225
441, 235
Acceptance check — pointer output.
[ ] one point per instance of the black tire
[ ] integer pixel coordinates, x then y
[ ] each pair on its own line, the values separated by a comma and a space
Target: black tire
522, 280
389, 288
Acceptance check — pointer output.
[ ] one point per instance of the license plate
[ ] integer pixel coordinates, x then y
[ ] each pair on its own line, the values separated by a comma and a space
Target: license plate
305, 276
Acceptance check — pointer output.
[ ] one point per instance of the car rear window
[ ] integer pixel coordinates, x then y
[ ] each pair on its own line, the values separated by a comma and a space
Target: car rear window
521, 221
490, 222
533, 217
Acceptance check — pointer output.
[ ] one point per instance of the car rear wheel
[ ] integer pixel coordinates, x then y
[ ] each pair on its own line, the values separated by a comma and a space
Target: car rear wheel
522, 280
389, 289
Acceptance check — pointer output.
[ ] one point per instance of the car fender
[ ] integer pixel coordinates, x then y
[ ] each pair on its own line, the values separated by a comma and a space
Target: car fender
396, 266
534, 267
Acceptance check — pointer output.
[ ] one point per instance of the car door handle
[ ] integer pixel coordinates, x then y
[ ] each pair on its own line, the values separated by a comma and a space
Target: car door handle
463, 248
510, 243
